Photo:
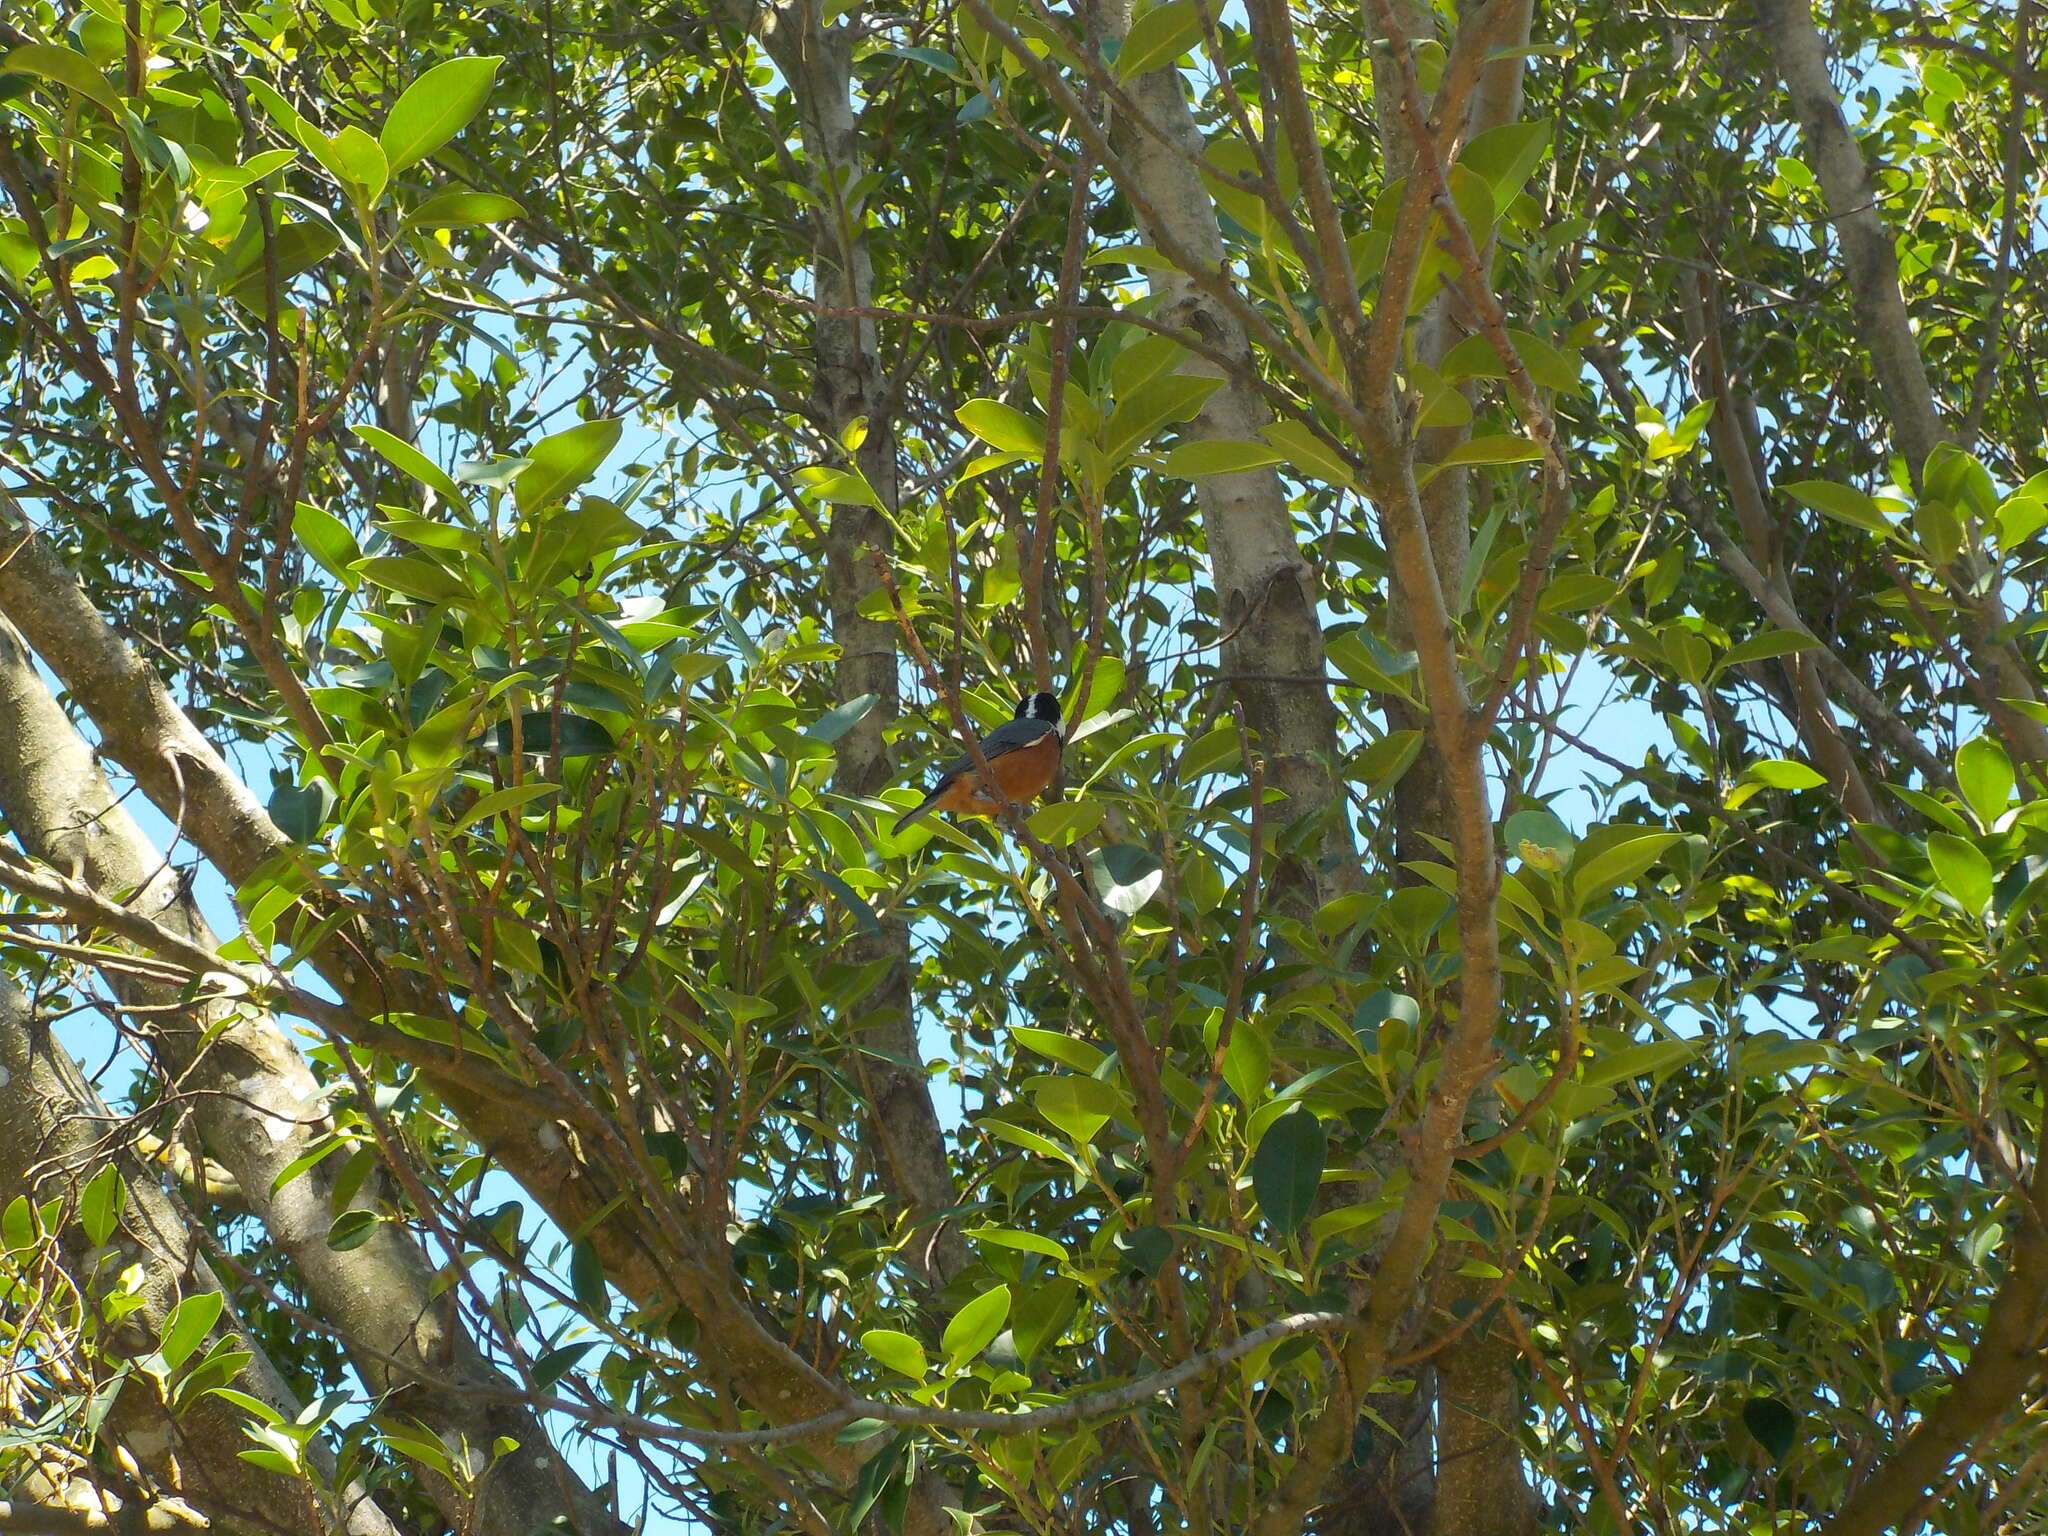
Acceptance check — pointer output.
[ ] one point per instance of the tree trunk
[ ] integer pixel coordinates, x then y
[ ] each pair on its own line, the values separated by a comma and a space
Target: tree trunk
1266, 591
142, 728
258, 1108
55, 1135
908, 1146
1872, 268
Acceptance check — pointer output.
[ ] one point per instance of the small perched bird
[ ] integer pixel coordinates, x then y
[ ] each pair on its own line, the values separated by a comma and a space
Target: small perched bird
1023, 753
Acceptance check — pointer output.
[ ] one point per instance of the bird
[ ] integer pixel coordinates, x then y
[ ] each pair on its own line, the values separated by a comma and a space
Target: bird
1023, 753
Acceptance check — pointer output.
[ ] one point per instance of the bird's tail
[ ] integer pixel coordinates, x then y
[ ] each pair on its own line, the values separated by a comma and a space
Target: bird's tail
916, 813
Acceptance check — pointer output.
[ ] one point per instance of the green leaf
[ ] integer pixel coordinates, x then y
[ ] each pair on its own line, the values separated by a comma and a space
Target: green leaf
1774, 1426
436, 107
1616, 860
561, 463
100, 1207
835, 723
1307, 454
454, 210
932, 58
1044, 1313
1191, 461
1498, 448
409, 461
351, 1229
297, 247
1984, 775
412, 576
66, 67
1165, 401
1248, 1064
1054, 1046
898, 1351
557, 1363
326, 538
2020, 517
1962, 869
1644, 1060
1023, 1242
321, 1150
849, 898
1287, 1168
586, 1280
261, 1411
301, 811
1843, 503
1955, 477
579, 736
1764, 647
187, 1326
1783, 773
1004, 426
1537, 837
975, 1325
1125, 876
361, 163
1506, 157
1159, 37
1546, 364
1143, 360
1380, 1007
1146, 1249
844, 487
1078, 1106
18, 1225
1104, 688
1064, 820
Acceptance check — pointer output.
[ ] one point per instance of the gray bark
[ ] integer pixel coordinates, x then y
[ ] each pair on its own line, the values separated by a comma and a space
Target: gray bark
1872, 269
903, 1134
1266, 592
1868, 257
258, 1107
55, 1135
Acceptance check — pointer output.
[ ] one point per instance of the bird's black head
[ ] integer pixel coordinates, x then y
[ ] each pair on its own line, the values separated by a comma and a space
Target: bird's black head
1039, 706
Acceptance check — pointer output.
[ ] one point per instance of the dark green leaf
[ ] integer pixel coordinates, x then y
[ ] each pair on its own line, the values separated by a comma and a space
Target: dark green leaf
835, 723
586, 1280
187, 1326
578, 736
1774, 1426
1287, 1168
351, 1229
301, 811
100, 1207
298, 247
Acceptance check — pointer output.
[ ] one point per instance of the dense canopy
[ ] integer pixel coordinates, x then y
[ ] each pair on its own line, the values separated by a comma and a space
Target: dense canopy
1522, 1011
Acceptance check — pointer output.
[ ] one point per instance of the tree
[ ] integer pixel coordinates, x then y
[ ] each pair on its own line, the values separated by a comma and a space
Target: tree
1522, 1014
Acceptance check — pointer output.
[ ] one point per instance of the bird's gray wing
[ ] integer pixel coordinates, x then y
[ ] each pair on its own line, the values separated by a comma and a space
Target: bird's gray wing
1007, 737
